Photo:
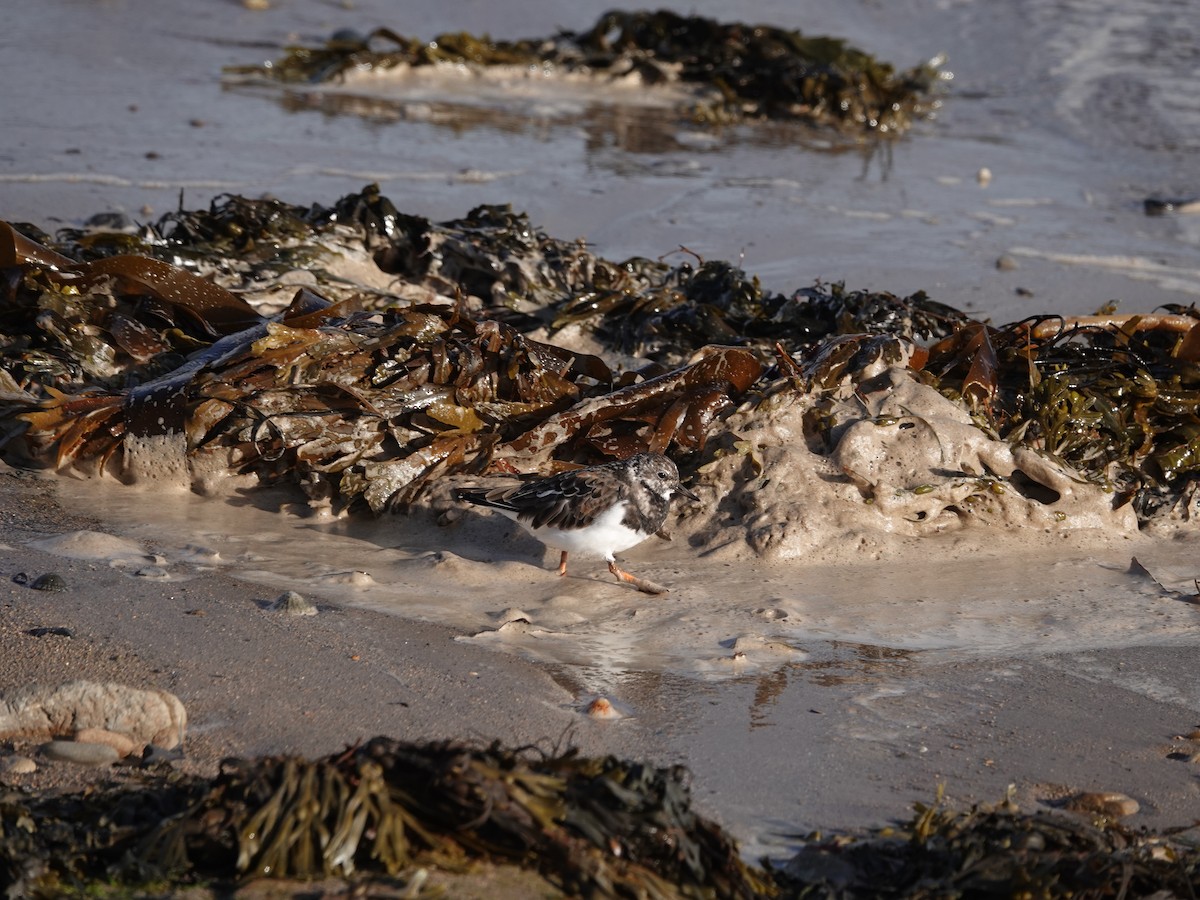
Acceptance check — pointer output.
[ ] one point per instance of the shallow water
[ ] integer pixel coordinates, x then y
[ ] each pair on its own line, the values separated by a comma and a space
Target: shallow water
1079, 111
498, 588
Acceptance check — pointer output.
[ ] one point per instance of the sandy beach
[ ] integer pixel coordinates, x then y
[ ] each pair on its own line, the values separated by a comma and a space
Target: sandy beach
829, 691
849, 737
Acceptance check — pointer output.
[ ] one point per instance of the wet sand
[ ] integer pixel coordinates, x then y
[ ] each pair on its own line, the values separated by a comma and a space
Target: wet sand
850, 736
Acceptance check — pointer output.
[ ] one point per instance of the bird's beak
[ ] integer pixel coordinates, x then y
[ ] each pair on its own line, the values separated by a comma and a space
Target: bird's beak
682, 490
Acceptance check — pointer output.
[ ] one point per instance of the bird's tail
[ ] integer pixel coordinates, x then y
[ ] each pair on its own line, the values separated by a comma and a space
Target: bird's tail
477, 496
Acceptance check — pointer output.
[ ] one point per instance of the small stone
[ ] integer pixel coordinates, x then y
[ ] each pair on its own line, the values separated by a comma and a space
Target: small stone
602, 708
54, 630
122, 743
39, 712
1005, 263
984, 176
17, 765
51, 581
1103, 803
292, 604
80, 754
771, 613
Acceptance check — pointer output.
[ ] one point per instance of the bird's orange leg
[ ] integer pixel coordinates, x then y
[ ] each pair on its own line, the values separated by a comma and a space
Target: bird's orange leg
562, 563
646, 587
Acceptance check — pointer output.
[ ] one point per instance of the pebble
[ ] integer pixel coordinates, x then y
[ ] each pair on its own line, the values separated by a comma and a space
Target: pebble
17, 765
122, 743
80, 754
1005, 263
602, 708
771, 613
55, 630
51, 581
1103, 803
292, 604
984, 176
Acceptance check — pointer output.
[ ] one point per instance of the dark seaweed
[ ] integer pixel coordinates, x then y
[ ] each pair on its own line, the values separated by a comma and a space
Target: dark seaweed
746, 71
591, 826
594, 827
993, 851
396, 394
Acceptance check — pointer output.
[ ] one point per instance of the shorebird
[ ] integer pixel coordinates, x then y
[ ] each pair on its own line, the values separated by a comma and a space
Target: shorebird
600, 510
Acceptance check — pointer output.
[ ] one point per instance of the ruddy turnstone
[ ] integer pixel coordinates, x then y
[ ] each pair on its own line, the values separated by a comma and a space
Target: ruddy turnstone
600, 510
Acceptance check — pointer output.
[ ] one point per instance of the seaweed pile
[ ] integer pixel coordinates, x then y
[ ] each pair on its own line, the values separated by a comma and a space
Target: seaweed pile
741, 71
483, 345
1116, 398
995, 850
603, 827
593, 826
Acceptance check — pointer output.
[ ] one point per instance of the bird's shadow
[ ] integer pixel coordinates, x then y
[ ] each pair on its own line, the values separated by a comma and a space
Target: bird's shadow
490, 538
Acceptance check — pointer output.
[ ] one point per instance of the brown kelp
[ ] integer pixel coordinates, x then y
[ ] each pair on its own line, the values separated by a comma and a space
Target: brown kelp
593, 826
502, 266
739, 71
110, 356
483, 344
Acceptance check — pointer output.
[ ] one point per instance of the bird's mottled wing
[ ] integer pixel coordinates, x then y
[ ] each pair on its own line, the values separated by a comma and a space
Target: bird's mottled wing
567, 500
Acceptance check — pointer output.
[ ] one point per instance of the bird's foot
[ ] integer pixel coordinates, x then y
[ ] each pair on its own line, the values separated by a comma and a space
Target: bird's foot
646, 587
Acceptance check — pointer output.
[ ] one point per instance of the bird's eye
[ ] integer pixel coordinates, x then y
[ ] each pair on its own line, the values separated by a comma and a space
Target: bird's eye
663, 475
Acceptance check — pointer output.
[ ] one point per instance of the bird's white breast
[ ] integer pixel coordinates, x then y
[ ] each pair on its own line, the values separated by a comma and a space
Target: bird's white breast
603, 537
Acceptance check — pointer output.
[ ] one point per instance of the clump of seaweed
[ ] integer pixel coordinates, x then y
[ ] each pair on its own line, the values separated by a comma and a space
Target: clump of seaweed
445, 363
592, 826
664, 312
501, 266
741, 71
994, 850
104, 356
1118, 398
